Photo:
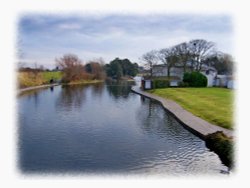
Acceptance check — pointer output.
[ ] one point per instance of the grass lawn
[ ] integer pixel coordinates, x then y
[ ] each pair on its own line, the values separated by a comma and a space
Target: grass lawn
28, 79
212, 104
84, 82
55, 75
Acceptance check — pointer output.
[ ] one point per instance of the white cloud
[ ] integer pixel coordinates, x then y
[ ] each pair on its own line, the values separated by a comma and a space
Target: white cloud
120, 36
69, 26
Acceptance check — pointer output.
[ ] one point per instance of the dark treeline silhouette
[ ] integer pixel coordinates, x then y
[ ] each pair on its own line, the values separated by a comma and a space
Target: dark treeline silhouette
119, 68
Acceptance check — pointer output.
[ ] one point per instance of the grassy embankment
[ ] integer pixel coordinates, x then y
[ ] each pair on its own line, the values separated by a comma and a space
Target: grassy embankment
214, 105
84, 82
29, 79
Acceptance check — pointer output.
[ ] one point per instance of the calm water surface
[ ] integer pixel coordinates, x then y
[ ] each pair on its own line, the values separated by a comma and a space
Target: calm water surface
105, 129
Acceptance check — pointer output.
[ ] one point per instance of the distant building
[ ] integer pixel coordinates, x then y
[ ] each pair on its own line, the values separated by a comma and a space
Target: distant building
177, 72
210, 73
224, 81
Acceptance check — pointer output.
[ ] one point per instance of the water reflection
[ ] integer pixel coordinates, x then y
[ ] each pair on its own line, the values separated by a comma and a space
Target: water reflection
151, 117
71, 96
119, 89
157, 121
32, 95
52, 89
97, 89
105, 129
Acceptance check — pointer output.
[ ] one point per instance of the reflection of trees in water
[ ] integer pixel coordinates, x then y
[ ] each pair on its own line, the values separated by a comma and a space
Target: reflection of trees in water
119, 89
71, 96
97, 89
154, 119
33, 95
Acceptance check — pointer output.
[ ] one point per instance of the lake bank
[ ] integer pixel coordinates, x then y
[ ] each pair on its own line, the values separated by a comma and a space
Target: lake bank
212, 104
197, 125
56, 84
37, 78
218, 139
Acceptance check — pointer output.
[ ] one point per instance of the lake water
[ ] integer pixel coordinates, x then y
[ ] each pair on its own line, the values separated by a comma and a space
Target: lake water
105, 128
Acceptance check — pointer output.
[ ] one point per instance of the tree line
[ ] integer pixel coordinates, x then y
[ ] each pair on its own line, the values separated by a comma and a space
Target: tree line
191, 56
74, 69
119, 68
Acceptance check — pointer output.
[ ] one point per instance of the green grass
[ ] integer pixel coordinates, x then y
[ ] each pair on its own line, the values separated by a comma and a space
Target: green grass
214, 105
84, 82
29, 79
49, 75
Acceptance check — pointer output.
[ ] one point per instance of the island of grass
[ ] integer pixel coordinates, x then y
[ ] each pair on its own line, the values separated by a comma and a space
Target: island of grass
214, 105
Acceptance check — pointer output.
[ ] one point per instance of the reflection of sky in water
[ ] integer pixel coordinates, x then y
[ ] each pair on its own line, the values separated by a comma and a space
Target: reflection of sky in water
106, 129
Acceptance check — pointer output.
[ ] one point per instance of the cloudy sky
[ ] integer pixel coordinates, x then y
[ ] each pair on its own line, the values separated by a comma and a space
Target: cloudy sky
42, 38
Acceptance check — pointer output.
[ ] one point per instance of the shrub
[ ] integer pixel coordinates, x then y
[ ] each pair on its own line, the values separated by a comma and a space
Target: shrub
182, 84
195, 79
160, 83
222, 145
28, 79
72, 68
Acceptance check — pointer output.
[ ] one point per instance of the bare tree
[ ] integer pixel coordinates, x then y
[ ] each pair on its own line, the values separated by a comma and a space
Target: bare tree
192, 55
169, 56
222, 62
96, 68
71, 66
184, 55
151, 59
199, 50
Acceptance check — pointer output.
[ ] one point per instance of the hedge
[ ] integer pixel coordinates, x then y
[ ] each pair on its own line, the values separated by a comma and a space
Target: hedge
160, 83
195, 79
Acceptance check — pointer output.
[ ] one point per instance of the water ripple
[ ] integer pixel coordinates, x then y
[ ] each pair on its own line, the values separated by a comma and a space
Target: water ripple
98, 129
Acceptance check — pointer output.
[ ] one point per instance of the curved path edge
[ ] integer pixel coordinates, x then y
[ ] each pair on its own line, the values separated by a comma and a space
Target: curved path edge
37, 87
195, 124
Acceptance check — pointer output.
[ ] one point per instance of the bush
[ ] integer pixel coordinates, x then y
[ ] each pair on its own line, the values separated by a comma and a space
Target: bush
195, 79
183, 84
222, 145
160, 83
29, 79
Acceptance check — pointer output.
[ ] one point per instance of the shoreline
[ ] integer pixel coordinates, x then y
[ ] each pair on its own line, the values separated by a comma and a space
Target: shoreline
19, 91
193, 123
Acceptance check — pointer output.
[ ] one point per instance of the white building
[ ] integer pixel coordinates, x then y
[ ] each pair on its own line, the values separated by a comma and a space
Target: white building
177, 73
224, 81
210, 73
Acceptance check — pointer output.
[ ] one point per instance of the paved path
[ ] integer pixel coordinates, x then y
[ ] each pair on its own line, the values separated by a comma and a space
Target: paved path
192, 122
36, 87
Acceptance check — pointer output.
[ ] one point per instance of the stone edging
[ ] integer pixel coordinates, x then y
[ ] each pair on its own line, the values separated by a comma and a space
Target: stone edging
195, 124
37, 87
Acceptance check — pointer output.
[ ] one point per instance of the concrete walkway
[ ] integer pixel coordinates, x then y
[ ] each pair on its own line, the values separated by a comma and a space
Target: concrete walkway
195, 124
37, 87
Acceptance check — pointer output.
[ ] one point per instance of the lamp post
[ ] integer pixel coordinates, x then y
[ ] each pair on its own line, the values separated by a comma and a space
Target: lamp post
195, 55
